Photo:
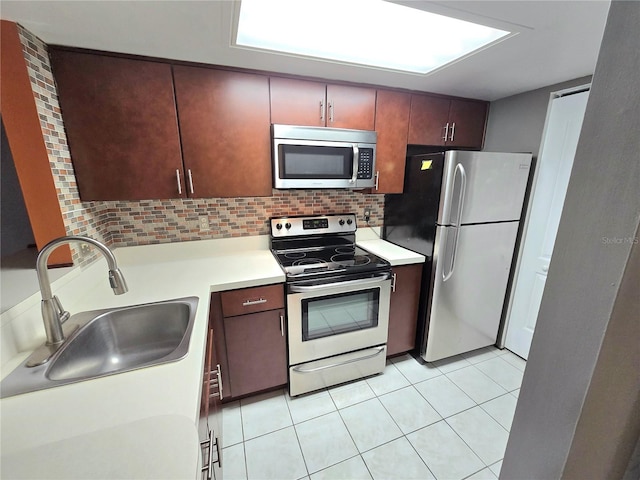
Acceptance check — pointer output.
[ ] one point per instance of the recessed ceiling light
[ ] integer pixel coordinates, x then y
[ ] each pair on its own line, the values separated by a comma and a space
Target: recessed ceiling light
367, 32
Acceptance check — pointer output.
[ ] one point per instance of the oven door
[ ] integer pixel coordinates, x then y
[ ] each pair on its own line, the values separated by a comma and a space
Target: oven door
336, 318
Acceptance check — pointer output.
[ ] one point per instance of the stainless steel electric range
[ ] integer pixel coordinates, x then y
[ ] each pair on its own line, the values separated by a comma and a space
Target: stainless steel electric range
337, 301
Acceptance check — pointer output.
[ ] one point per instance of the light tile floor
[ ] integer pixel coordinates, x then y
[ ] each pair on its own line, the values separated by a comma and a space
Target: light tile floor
446, 420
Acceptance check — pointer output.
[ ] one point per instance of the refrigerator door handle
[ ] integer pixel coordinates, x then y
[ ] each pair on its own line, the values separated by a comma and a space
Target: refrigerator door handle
450, 264
463, 188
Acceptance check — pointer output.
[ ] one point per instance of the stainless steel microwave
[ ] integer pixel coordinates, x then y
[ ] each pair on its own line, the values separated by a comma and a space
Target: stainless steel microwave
321, 157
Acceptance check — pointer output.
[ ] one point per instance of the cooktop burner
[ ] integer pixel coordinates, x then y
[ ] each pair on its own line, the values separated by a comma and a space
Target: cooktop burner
320, 245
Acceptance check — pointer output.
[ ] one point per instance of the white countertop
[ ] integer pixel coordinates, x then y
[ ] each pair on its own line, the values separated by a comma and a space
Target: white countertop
369, 239
56, 416
143, 448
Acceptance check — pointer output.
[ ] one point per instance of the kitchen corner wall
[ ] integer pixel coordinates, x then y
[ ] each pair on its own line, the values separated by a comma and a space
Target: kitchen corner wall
161, 221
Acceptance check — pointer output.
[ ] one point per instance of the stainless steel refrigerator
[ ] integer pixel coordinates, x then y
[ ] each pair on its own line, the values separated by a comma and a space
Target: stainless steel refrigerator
462, 211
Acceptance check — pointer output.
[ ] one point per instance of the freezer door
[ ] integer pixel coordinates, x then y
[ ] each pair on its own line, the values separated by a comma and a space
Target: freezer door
471, 271
482, 187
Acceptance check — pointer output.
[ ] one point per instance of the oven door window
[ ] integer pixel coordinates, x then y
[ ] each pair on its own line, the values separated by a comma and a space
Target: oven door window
315, 162
341, 313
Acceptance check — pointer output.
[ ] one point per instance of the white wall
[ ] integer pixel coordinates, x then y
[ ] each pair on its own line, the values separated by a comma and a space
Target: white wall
516, 123
578, 414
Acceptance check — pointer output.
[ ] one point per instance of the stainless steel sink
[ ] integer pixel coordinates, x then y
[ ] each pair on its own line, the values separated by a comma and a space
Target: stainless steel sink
106, 342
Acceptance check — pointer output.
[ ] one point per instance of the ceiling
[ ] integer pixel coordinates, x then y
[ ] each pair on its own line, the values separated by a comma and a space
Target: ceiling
556, 41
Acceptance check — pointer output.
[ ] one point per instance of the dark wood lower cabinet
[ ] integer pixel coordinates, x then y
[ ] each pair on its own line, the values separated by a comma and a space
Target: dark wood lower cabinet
403, 312
251, 348
256, 351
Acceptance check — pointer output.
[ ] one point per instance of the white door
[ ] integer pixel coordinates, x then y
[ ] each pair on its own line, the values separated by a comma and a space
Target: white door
558, 149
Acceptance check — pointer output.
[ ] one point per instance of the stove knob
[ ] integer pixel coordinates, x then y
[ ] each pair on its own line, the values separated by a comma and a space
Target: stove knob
349, 221
279, 226
287, 225
341, 222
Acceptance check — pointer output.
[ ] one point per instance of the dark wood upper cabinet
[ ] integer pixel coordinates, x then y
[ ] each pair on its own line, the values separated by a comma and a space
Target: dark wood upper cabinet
392, 124
297, 102
351, 107
121, 124
224, 126
303, 102
447, 122
468, 119
428, 118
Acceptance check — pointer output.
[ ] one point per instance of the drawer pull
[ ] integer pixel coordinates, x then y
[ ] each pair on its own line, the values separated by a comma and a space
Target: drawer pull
254, 302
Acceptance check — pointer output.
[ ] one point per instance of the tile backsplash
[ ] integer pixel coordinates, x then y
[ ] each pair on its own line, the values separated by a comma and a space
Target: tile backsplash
162, 221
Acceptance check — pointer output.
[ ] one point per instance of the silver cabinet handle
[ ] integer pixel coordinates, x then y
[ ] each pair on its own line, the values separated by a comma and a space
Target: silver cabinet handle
216, 383
377, 178
356, 161
254, 302
348, 283
453, 131
446, 132
394, 279
282, 325
190, 181
346, 362
179, 183
331, 112
208, 467
219, 375
322, 110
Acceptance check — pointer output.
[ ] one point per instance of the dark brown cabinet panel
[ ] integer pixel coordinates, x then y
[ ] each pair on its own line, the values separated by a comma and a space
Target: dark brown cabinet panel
403, 312
120, 119
467, 123
351, 107
447, 122
251, 347
251, 300
303, 102
392, 125
256, 351
224, 126
428, 118
297, 102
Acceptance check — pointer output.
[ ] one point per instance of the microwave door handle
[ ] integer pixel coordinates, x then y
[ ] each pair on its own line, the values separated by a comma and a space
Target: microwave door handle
356, 154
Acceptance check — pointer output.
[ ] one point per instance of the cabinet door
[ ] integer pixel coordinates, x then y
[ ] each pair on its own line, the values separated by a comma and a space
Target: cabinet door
403, 312
427, 121
468, 119
392, 124
256, 351
297, 102
120, 119
224, 127
351, 107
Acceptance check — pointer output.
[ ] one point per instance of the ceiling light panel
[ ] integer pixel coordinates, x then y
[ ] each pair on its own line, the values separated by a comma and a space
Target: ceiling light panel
367, 32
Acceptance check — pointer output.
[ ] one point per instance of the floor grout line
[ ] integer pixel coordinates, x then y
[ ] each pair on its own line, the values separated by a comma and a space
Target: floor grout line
377, 397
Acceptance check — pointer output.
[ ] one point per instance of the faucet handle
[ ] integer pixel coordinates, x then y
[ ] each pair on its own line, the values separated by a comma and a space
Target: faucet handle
63, 315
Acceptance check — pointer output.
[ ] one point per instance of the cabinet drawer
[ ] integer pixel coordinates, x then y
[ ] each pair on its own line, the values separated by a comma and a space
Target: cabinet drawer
251, 300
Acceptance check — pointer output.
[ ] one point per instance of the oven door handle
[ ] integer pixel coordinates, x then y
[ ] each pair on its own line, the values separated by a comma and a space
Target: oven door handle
348, 283
300, 369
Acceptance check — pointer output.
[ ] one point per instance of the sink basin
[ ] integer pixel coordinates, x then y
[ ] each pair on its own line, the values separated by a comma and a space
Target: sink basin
106, 342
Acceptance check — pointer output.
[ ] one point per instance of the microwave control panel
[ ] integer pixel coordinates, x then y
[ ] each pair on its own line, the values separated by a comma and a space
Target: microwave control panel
365, 163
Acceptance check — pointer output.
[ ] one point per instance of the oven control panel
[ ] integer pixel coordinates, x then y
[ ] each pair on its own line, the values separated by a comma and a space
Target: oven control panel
313, 225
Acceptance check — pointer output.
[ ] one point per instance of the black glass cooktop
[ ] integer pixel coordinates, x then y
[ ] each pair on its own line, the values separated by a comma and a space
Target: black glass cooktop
318, 261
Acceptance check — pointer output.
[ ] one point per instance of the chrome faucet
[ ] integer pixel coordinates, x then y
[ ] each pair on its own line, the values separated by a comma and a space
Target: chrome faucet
53, 314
